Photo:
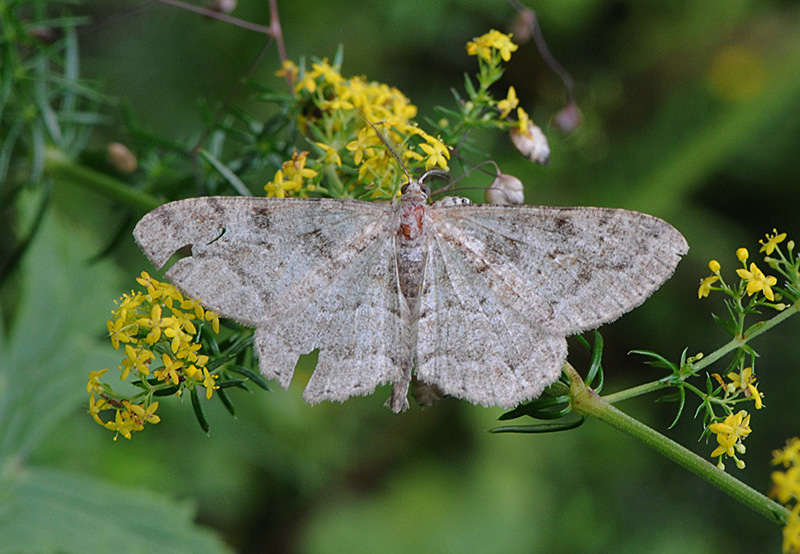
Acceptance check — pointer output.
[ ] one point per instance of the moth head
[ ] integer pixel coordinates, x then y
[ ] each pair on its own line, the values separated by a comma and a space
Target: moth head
416, 187
420, 186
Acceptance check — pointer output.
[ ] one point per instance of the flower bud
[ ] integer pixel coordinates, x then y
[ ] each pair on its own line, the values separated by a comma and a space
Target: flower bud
505, 190
532, 145
714, 266
121, 158
742, 254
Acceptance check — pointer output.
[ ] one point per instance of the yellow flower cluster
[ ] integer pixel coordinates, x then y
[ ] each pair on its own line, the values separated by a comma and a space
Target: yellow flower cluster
786, 490
742, 382
289, 179
354, 124
730, 434
159, 324
753, 280
340, 127
491, 46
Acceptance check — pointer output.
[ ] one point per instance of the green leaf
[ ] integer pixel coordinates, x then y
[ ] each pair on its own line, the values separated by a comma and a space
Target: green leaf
681, 405
540, 427
199, 412
225, 172
657, 360
226, 401
56, 335
468, 86
46, 510
256, 378
726, 324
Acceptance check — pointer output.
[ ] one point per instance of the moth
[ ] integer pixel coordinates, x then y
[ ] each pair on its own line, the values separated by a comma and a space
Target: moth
473, 299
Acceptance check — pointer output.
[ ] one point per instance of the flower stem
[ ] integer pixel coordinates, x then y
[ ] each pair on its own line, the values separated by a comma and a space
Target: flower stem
706, 361
751, 333
586, 402
58, 165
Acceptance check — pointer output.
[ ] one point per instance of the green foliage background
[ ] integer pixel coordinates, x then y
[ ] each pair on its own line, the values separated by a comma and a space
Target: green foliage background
661, 135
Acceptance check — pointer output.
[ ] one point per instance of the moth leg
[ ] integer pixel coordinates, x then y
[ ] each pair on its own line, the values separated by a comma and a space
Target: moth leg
398, 401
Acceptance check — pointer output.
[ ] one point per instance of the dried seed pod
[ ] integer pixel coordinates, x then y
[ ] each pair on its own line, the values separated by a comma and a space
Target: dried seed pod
533, 144
505, 190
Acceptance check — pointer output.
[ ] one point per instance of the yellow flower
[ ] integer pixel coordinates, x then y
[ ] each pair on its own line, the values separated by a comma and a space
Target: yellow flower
509, 103
209, 382
279, 187
786, 484
214, 319
155, 322
137, 358
328, 73
306, 83
174, 330
97, 406
295, 169
745, 382
123, 424
705, 286
791, 532
170, 369
714, 266
128, 304
786, 488
147, 282
437, 152
188, 351
288, 69
142, 415
119, 332
167, 294
742, 254
757, 281
523, 123
191, 371
94, 384
331, 155
730, 434
789, 455
772, 242
363, 145
484, 45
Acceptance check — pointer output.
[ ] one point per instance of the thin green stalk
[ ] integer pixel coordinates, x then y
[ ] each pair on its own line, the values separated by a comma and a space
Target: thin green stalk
706, 361
58, 165
586, 402
752, 333
638, 390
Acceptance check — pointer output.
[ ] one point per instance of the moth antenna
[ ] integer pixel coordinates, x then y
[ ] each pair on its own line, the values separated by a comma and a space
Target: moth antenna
389, 146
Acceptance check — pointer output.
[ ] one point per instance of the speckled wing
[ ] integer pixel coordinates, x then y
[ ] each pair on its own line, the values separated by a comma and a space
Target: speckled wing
307, 273
505, 285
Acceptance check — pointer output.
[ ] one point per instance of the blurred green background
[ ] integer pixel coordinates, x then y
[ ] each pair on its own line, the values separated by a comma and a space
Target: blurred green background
691, 114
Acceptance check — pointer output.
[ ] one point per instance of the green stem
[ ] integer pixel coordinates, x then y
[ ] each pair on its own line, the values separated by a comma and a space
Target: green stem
706, 361
752, 333
638, 390
586, 402
58, 165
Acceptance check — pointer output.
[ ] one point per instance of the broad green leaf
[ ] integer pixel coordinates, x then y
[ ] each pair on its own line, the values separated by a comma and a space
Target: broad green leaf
55, 336
45, 510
